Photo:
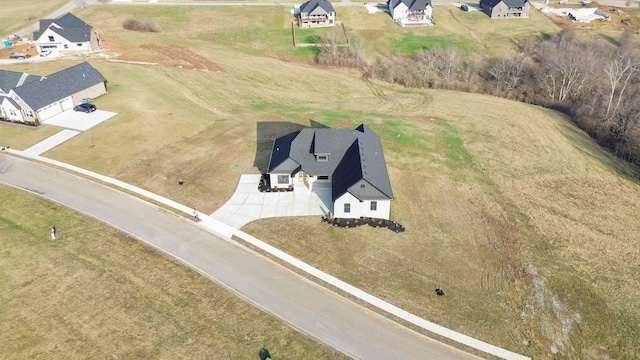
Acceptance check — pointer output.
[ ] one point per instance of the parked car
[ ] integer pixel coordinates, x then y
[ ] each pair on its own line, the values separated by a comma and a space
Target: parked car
85, 107
19, 56
464, 7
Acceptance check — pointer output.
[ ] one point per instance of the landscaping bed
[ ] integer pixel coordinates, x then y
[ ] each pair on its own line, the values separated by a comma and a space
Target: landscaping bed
373, 222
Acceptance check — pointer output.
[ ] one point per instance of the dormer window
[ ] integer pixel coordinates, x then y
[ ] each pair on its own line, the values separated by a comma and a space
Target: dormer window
323, 158
51, 39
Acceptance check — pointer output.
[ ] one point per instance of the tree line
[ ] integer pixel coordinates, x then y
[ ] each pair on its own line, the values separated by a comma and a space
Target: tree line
594, 81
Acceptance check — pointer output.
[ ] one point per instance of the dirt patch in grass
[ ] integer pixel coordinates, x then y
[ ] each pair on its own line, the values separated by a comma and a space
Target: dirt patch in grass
182, 57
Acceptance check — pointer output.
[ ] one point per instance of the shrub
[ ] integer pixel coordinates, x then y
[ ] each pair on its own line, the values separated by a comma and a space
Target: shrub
139, 24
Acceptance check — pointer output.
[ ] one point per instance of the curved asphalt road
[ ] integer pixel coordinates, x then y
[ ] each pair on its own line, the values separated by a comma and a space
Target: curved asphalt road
308, 307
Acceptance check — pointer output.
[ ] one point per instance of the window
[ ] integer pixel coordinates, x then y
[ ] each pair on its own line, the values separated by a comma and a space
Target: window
323, 177
29, 113
283, 179
374, 205
51, 39
361, 186
323, 158
12, 112
79, 44
347, 208
66, 46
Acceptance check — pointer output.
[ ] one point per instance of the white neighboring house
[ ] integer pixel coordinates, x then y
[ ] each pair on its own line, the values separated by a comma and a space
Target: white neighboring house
316, 13
32, 99
65, 35
348, 161
411, 12
9, 109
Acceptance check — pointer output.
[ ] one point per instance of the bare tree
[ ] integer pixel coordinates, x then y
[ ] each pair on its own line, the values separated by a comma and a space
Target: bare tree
506, 73
565, 67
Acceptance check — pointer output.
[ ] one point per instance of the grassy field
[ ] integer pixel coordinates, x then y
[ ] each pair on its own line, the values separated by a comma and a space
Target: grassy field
17, 14
526, 223
84, 296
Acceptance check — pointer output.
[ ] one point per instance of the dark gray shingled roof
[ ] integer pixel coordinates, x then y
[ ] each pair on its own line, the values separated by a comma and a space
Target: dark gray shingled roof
13, 79
10, 100
68, 26
311, 7
412, 5
57, 86
355, 159
509, 3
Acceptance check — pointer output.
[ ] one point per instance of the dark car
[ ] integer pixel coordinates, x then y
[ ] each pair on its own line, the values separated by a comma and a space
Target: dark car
85, 108
464, 7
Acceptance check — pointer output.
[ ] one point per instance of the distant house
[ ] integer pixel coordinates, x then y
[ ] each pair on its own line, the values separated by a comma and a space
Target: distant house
32, 99
411, 12
506, 9
65, 35
348, 161
316, 13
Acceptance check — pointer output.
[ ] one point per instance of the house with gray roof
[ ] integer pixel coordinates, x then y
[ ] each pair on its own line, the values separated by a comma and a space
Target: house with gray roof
506, 9
348, 161
411, 12
12, 79
66, 35
40, 97
316, 13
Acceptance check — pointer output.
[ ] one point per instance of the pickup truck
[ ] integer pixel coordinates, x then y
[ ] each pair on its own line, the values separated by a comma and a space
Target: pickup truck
19, 56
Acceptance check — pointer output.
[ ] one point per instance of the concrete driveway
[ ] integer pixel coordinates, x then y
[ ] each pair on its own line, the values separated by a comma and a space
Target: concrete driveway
80, 121
74, 123
248, 204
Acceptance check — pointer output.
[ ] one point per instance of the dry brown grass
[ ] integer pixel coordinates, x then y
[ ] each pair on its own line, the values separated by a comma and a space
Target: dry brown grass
17, 14
489, 190
85, 296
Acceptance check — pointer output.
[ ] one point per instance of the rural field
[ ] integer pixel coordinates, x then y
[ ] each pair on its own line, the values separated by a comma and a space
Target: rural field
527, 224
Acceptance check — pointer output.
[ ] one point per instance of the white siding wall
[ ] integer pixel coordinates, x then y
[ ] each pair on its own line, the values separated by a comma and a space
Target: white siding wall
360, 209
8, 110
382, 210
356, 207
60, 45
400, 11
273, 178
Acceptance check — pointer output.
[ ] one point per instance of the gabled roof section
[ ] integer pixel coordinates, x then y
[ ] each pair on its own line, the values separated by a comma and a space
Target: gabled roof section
510, 3
317, 7
46, 90
280, 161
412, 5
68, 26
363, 170
515, 3
12, 79
355, 160
10, 100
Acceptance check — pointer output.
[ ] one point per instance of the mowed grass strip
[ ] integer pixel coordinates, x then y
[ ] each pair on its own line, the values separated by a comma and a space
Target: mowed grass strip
96, 293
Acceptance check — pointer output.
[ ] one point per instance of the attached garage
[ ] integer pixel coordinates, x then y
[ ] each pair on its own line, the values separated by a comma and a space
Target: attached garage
50, 95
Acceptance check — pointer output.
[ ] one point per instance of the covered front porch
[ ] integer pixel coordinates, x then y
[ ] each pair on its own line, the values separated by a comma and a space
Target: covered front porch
305, 182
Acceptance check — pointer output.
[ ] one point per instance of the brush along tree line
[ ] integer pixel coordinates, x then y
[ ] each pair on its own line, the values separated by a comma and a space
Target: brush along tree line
595, 82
